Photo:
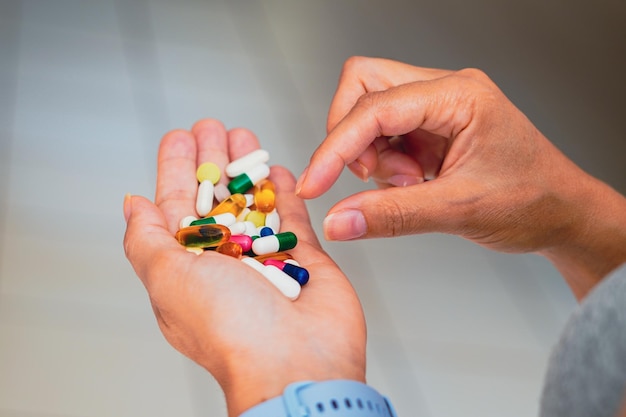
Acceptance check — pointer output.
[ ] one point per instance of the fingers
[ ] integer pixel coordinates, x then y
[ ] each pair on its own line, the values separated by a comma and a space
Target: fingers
394, 166
437, 206
147, 235
362, 75
176, 177
212, 143
434, 106
292, 209
241, 142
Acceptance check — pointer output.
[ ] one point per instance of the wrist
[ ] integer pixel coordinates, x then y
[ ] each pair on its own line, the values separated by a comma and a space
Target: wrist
314, 399
248, 386
595, 243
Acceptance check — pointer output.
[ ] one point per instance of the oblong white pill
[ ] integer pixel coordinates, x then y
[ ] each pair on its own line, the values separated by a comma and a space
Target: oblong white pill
186, 221
225, 219
249, 199
221, 192
242, 216
204, 199
272, 219
241, 165
258, 266
285, 284
250, 229
237, 228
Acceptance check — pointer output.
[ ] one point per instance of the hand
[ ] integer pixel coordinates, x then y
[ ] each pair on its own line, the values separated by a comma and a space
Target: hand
494, 178
220, 312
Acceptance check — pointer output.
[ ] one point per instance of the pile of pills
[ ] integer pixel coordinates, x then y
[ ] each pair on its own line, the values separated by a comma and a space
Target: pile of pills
240, 220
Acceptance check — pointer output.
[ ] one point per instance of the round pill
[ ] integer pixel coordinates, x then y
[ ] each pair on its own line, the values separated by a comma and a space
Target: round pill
208, 171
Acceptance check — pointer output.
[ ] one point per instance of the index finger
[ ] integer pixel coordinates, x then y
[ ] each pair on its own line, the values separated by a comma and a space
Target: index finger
437, 106
361, 75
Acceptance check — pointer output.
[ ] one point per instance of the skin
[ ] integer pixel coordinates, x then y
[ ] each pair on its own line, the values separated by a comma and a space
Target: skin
220, 312
449, 153
491, 176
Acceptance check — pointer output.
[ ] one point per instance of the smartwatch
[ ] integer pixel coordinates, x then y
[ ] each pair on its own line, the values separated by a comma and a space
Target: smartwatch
325, 399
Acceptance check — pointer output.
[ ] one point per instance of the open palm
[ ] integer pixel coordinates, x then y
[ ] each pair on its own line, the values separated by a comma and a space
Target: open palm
220, 312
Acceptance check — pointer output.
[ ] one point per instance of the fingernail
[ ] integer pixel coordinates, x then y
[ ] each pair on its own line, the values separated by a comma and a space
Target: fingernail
345, 225
301, 180
404, 180
359, 170
127, 206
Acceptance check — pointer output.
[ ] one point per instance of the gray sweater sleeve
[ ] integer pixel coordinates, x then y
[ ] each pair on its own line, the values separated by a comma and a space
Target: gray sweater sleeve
586, 375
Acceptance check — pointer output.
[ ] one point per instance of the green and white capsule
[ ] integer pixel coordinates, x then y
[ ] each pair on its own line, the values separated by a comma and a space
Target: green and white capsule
274, 243
226, 219
243, 182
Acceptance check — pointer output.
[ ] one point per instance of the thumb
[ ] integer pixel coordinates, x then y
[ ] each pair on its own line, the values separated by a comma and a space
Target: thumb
441, 205
146, 234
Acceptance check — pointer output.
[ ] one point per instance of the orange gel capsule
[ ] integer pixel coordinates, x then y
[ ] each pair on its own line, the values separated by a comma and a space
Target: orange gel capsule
264, 200
233, 204
203, 236
231, 249
279, 256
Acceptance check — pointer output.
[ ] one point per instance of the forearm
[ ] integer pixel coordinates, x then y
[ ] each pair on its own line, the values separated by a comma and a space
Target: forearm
596, 244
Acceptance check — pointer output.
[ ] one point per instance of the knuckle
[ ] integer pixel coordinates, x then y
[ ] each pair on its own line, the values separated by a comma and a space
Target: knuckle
397, 220
354, 63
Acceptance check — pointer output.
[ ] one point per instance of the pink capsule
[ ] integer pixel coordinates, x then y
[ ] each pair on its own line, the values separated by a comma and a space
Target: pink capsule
244, 241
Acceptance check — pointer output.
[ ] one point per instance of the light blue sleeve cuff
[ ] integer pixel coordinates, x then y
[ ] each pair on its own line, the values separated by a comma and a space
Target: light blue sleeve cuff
324, 399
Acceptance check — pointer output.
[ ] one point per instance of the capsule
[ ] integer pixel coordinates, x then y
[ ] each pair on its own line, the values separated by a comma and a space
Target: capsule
221, 192
281, 256
241, 217
244, 241
256, 217
243, 164
237, 228
274, 243
204, 198
186, 221
264, 196
203, 236
272, 219
264, 231
243, 182
230, 248
233, 204
283, 282
225, 219
301, 275
251, 229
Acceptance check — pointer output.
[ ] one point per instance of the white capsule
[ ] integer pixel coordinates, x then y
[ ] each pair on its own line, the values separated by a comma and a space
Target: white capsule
241, 165
204, 200
225, 219
258, 266
249, 199
197, 251
186, 221
272, 219
242, 216
283, 282
250, 229
237, 228
221, 192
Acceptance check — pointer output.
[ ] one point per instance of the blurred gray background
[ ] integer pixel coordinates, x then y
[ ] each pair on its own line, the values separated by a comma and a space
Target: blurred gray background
87, 89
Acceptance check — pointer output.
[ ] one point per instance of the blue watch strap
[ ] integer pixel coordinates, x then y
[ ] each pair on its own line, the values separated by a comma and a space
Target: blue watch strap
323, 399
